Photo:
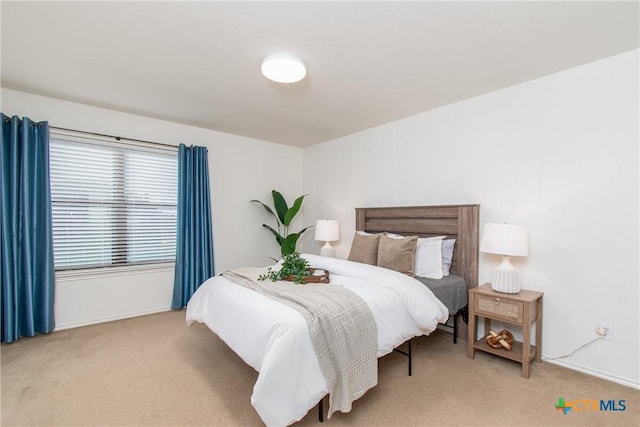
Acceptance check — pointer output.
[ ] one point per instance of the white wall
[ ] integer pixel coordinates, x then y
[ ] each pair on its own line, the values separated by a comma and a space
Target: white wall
559, 154
240, 169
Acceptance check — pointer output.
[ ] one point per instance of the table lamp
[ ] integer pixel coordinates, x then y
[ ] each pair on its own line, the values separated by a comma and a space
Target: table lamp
506, 240
327, 230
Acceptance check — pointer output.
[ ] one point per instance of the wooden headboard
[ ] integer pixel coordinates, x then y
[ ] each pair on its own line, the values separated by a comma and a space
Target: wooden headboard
454, 221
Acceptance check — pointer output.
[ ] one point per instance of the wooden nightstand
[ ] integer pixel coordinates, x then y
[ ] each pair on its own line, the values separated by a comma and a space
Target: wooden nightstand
520, 309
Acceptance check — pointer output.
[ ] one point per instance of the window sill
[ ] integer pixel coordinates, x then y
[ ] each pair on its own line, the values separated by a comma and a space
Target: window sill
114, 271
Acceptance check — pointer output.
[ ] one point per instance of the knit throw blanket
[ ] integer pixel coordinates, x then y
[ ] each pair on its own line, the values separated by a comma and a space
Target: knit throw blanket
342, 328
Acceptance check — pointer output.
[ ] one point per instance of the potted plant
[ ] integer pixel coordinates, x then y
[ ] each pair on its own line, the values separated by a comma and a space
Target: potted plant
283, 216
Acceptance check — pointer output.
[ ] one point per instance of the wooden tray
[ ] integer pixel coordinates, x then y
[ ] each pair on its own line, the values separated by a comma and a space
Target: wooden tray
312, 278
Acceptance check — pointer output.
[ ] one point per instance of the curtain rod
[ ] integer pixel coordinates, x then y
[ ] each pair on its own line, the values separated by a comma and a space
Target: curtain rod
117, 138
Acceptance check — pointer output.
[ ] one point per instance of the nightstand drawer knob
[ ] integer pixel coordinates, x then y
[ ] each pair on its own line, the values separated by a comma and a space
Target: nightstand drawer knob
497, 300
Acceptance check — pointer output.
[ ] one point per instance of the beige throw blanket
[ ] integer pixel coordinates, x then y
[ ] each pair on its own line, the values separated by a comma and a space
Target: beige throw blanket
342, 330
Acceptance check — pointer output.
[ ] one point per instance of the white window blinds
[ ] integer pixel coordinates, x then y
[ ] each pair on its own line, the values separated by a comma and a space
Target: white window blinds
113, 204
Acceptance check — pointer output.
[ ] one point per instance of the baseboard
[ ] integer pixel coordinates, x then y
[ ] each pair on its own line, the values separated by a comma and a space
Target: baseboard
109, 319
593, 372
445, 328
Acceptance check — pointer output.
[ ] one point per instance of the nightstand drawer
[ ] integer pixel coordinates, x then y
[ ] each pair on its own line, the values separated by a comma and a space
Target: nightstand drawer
500, 308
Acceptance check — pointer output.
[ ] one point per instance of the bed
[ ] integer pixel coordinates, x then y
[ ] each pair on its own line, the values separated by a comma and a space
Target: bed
275, 340
459, 222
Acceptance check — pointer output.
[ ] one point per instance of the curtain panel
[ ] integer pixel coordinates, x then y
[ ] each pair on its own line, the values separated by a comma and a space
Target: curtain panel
194, 242
26, 239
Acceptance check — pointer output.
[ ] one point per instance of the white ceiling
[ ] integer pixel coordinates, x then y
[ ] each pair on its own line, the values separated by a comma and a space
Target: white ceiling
368, 63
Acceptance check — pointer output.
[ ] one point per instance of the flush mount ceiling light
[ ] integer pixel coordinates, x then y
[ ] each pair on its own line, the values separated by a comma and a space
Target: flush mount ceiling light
283, 69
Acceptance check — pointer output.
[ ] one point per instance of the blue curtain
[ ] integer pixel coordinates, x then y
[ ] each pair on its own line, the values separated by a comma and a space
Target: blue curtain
28, 274
194, 243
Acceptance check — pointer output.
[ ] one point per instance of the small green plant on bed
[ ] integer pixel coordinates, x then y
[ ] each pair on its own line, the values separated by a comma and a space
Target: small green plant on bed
293, 265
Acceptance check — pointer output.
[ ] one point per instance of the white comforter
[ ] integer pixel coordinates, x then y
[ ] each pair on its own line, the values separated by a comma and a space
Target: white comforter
274, 339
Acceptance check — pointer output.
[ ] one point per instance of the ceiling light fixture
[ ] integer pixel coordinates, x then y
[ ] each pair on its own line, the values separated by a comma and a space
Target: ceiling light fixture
283, 69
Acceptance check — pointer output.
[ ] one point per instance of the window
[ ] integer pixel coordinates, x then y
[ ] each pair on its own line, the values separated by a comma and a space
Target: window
113, 204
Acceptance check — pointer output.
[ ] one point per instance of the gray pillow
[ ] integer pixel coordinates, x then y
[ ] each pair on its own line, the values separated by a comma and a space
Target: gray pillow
364, 248
447, 255
398, 254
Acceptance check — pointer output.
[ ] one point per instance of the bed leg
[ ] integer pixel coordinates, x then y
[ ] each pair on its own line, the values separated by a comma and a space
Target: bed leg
410, 356
406, 353
455, 328
320, 411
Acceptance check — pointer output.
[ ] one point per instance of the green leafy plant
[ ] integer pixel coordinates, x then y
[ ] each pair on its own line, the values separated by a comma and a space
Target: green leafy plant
284, 215
292, 265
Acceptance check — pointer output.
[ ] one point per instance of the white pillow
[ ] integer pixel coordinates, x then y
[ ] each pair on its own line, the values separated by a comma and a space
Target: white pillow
395, 236
429, 257
433, 256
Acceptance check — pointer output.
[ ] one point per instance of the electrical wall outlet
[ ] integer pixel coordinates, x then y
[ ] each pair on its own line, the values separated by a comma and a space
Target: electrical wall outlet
605, 330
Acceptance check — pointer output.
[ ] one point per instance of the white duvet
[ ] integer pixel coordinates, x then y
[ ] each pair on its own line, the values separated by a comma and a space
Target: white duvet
274, 339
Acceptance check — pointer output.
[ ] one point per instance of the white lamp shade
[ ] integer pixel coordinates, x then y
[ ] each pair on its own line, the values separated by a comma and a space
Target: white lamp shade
505, 239
327, 230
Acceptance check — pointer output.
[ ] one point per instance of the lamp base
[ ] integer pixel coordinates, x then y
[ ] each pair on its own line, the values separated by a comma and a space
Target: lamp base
506, 278
328, 251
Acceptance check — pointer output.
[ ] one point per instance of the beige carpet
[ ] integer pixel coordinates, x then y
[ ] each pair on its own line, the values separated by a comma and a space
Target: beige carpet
155, 370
